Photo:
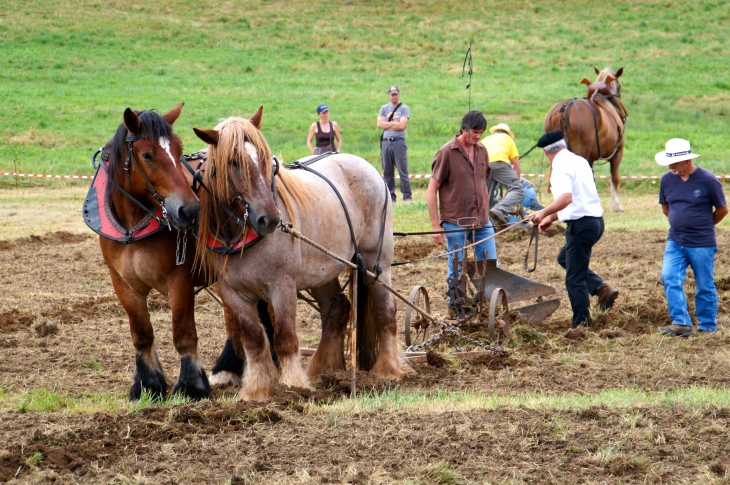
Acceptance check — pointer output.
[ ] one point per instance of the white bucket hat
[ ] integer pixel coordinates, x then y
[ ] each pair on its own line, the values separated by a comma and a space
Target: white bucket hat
503, 127
676, 150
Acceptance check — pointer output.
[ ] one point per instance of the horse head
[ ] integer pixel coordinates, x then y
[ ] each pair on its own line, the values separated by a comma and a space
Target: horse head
608, 72
144, 159
239, 172
604, 88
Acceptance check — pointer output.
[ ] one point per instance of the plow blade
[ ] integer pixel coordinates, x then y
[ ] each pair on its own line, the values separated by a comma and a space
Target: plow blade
517, 287
539, 311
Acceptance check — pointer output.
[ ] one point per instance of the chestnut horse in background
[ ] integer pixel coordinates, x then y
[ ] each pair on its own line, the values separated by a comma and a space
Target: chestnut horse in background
241, 181
143, 207
594, 126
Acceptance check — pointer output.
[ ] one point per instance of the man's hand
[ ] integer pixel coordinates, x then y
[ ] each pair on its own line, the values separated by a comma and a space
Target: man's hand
544, 225
439, 238
537, 216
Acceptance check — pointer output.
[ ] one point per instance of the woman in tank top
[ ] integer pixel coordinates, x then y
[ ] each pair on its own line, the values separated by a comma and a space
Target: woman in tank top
325, 132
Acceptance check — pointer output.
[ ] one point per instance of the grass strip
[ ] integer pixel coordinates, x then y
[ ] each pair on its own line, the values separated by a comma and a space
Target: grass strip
395, 399
391, 400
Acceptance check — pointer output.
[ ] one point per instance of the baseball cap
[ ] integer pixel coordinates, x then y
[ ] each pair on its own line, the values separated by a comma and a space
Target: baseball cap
394, 89
322, 108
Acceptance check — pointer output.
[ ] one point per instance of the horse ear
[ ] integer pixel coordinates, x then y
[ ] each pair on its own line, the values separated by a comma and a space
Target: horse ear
610, 79
173, 114
256, 119
597, 71
619, 72
132, 121
585, 81
208, 136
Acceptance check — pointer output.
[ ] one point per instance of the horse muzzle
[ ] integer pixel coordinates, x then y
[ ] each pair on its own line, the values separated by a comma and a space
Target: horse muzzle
182, 217
265, 223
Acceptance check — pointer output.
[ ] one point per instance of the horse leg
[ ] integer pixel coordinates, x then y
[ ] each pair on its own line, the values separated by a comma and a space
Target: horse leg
148, 371
381, 312
615, 179
286, 342
330, 354
260, 372
192, 381
228, 367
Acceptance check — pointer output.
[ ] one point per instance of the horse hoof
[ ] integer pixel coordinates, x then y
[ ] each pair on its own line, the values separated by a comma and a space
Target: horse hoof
193, 392
224, 378
193, 382
258, 395
155, 391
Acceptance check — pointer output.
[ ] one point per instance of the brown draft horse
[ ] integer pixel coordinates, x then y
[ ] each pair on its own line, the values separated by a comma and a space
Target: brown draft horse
594, 126
151, 174
240, 178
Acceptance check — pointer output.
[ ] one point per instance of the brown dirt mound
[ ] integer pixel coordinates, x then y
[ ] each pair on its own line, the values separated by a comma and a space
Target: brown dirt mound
60, 237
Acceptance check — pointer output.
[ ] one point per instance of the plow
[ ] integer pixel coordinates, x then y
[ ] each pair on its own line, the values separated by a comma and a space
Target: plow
481, 295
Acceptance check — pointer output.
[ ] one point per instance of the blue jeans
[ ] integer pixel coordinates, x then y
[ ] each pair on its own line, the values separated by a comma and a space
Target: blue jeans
674, 272
454, 238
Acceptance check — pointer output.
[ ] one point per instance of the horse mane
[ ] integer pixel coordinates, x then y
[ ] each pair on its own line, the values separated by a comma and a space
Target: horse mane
234, 133
615, 84
153, 126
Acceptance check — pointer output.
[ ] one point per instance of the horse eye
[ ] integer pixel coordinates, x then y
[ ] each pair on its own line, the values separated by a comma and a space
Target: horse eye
147, 157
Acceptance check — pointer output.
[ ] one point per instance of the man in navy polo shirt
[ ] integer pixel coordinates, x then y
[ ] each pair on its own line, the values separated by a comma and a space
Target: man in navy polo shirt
688, 194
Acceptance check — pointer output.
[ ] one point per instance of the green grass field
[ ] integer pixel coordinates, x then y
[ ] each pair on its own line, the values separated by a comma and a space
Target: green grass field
69, 69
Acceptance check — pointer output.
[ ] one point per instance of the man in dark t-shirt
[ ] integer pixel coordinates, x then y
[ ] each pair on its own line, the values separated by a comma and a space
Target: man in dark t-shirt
688, 194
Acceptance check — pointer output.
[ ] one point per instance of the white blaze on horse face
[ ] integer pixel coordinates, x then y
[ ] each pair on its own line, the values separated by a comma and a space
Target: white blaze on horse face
165, 144
252, 152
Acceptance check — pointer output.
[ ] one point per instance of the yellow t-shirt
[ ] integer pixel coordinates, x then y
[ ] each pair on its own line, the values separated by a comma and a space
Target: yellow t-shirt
500, 147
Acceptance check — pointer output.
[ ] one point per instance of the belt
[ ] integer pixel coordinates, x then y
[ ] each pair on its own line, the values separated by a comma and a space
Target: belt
392, 139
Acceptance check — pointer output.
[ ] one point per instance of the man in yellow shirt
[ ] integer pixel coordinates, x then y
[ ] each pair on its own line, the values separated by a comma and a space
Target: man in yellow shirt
504, 161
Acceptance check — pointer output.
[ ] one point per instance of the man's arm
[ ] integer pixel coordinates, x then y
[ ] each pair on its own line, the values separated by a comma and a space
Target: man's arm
665, 209
516, 166
719, 214
549, 214
433, 211
399, 125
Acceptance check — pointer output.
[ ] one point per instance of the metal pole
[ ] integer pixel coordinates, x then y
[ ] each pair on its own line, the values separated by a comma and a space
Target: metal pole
353, 324
15, 167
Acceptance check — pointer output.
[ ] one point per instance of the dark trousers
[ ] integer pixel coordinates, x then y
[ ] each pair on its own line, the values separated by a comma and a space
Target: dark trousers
394, 156
580, 281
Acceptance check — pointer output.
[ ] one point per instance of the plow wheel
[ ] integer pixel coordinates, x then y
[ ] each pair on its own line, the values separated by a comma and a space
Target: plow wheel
416, 327
499, 316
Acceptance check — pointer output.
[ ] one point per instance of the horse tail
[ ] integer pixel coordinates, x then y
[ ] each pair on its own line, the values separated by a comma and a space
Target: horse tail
367, 334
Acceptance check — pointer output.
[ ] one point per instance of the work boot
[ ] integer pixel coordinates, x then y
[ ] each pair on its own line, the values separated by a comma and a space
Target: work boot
498, 219
676, 330
606, 296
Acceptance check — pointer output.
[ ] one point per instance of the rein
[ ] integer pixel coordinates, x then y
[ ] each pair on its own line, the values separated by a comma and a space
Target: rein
566, 124
377, 269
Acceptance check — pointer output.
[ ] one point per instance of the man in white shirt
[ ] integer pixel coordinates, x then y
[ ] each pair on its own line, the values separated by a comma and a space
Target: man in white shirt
577, 204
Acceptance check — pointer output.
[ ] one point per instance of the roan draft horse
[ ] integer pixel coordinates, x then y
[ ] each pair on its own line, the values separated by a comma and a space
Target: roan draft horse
245, 186
143, 207
594, 126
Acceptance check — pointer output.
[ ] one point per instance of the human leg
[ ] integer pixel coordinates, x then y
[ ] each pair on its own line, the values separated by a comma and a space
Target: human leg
452, 239
674, 272
580, 237
505, 174
388, 163
489, 245
702, 261
400, 153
